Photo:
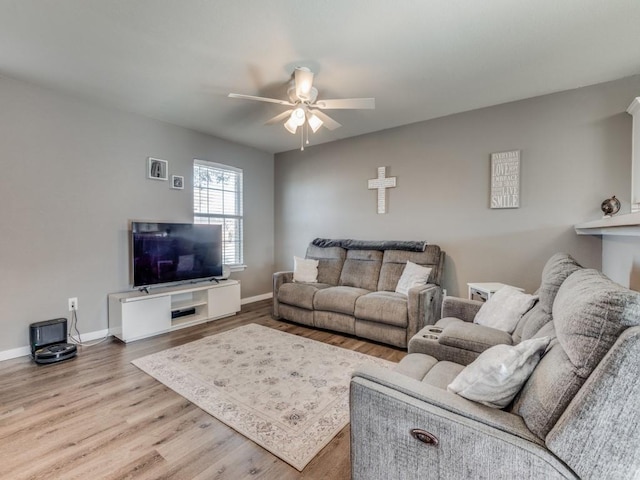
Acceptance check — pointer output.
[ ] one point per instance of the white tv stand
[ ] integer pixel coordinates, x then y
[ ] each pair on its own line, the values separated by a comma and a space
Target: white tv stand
135, 315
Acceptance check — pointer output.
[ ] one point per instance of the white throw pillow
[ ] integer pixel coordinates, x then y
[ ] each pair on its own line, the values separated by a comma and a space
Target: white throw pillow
412, 276
305, 270
504, 309
497, 375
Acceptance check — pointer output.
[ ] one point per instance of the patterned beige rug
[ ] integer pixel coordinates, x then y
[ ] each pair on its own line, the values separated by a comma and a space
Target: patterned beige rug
287, 393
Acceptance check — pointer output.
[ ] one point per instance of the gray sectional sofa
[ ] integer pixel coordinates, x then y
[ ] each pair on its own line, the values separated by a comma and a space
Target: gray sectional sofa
577, 415
457, 339
355, 291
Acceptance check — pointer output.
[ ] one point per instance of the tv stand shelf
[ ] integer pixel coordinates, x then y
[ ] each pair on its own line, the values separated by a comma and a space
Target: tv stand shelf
180, 305
135, 315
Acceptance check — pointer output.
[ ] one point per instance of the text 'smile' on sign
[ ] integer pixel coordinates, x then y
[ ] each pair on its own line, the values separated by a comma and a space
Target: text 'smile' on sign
505, 179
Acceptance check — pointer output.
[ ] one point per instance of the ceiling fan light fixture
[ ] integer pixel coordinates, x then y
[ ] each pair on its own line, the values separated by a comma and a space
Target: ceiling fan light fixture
291, 126
304, 107
314, 122
298, 116
303, 82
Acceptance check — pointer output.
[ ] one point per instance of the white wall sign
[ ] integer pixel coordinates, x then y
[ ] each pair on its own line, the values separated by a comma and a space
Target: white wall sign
505, 180
381, 184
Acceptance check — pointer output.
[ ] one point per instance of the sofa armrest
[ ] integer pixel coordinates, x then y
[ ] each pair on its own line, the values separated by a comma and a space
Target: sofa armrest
461, 308
452, 403
423, 307
473, 337
386, 406
279, 278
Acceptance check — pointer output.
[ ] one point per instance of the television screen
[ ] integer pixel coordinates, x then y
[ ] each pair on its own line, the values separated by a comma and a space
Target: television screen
175, 252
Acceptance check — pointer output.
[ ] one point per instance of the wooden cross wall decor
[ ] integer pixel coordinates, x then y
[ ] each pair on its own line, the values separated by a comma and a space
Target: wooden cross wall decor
381, 184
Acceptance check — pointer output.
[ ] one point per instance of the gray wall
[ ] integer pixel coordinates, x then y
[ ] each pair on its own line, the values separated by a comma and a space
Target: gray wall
621, 260
576, 151
73, 175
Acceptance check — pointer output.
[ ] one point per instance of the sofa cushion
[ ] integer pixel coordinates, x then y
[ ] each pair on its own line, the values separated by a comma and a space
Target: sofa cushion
415, 365
338, 299
557, 269
305, 270
442, 374
496, 376
330, 262
504, 309
297, 314
338, 322
446, 321
394, 261
530, 323
554, 273
589, 316
299, 294
471, 336
361, 269
383, 307
589, 313
381, 332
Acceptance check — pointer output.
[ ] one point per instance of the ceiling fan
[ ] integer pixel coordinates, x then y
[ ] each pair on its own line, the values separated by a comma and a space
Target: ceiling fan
305, 107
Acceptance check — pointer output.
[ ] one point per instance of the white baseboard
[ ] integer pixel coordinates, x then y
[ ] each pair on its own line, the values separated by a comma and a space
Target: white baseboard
15, 353
23, 351
257, 298
97, 335
87, 337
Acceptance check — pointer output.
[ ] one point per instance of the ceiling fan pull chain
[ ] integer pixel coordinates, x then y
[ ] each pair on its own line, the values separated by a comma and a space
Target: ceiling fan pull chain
302, 139
306, 127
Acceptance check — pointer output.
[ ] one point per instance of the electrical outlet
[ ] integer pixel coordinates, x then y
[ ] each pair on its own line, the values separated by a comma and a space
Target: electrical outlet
73, 303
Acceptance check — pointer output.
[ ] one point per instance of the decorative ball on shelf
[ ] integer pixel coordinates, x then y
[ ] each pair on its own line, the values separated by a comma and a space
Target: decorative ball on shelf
610, 206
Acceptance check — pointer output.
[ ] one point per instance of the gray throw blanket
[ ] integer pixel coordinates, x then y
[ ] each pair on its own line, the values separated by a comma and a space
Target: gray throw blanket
412, 246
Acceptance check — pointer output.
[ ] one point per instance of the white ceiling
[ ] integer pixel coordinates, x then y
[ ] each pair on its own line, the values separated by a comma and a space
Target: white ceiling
176, 60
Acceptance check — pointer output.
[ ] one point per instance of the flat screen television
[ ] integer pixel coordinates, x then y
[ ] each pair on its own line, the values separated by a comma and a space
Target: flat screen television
175, 252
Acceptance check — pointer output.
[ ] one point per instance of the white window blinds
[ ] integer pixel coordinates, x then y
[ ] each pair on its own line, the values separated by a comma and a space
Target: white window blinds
217, 199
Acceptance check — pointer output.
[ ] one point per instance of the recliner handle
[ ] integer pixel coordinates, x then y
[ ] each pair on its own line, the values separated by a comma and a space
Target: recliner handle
424, 436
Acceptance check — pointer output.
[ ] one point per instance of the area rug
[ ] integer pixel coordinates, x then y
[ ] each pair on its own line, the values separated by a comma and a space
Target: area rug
287, 393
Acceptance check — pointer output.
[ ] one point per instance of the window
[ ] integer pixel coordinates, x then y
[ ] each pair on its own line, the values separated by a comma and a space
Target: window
217, 199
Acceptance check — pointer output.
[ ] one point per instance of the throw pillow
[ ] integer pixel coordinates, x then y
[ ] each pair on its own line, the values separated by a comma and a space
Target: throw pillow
504, 309
305, 270
412, 276
497, 375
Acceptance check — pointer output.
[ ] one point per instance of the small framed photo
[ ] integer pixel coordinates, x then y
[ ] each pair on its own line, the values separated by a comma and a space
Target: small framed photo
157, 169
177, 182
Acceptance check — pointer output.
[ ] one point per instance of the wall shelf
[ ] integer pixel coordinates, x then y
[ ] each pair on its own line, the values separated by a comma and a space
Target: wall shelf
624, 225
627, 225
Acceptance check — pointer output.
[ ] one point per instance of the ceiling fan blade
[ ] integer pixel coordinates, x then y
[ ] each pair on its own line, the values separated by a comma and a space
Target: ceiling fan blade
261, 99
355, 103
278, 118
327, 121
304, 82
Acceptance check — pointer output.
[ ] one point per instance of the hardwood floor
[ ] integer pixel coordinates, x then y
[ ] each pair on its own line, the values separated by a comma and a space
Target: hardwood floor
99, 417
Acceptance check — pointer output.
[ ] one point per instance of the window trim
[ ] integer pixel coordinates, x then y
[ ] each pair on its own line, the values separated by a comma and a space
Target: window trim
234, 267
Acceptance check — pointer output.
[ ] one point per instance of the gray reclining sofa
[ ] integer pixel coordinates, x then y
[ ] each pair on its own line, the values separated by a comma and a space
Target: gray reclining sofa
355, 291
456, 338
577, 415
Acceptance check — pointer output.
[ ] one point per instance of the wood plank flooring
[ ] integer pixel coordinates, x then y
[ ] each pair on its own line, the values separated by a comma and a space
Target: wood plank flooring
99, 417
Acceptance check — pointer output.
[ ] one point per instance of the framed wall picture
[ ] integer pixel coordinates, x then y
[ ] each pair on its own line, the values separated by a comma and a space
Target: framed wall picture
505, 180
157, 169
177, 182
